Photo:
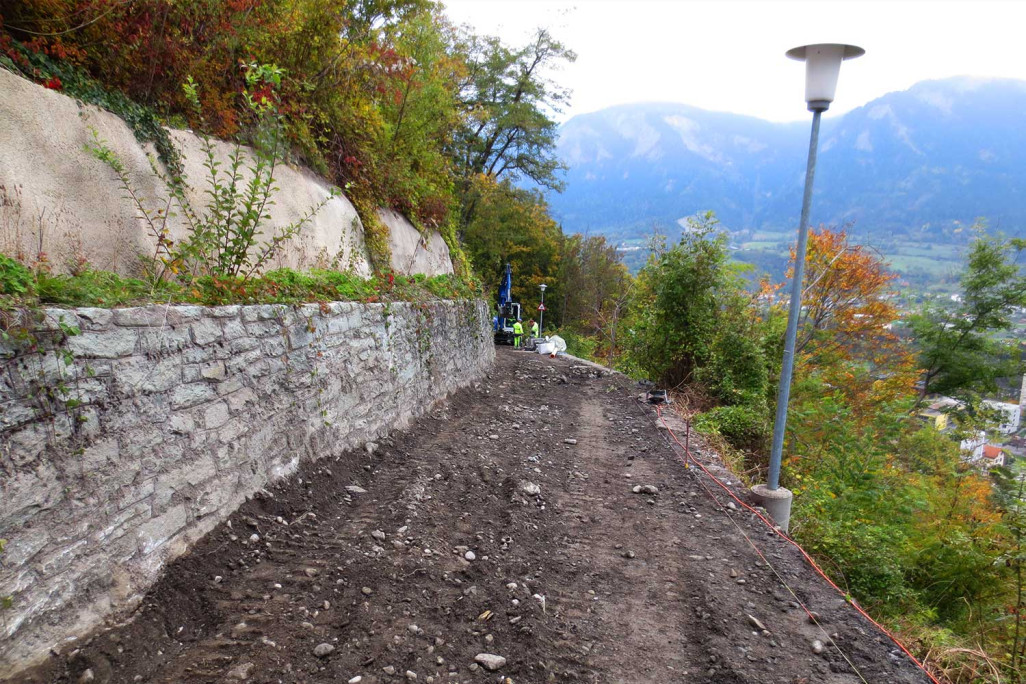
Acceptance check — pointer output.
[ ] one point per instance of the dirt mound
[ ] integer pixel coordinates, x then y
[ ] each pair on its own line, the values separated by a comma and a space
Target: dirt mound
503, 524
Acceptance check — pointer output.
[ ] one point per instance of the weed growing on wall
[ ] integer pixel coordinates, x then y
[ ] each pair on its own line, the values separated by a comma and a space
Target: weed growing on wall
229, 238
6, 601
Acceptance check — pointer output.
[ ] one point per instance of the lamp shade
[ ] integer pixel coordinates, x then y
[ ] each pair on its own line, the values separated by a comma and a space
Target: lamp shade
822, 65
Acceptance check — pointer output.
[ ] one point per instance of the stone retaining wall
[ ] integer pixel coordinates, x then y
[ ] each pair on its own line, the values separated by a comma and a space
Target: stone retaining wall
122, 445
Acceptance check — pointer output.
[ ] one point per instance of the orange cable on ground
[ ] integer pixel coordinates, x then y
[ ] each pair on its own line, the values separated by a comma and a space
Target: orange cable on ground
690, 457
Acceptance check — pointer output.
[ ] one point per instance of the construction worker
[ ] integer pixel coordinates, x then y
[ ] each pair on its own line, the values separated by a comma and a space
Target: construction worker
533, 326
518, 333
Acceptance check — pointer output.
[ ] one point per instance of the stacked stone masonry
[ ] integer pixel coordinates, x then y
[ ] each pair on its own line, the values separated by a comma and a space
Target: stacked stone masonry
124, 444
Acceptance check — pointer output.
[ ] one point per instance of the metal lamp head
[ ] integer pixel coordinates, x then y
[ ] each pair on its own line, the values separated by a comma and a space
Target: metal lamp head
822, 66
543, 286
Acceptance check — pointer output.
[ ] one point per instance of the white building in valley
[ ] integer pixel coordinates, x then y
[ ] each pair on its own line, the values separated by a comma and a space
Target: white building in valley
1011, 415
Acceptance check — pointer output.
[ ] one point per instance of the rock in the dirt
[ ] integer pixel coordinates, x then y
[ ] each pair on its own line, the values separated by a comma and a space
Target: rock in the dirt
355, 489
254, 538
489, 661
645, 489
323, 650
378, 534
411, 675
311, 572
87, 676
570, 441
755, 622
241, 671
356, 680
628, 554
367, 591
370, 447
470, 556
530, 488
389, 670
817, 646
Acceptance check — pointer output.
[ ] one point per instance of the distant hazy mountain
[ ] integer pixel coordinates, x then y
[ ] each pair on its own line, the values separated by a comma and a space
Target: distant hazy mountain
919, 163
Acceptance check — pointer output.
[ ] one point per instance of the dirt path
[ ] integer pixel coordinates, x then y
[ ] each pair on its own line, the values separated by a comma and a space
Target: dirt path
481, 531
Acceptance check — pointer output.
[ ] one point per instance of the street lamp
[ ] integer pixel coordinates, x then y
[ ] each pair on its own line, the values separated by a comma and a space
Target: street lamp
822, 66
541, 310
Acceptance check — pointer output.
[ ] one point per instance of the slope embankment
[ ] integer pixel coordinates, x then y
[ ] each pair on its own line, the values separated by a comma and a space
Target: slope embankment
124, 444
501, 537
60, 204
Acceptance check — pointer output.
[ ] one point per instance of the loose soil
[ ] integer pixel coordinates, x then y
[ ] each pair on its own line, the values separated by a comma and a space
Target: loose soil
573, 577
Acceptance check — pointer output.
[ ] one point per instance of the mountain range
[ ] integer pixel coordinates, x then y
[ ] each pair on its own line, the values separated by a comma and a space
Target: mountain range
917, 166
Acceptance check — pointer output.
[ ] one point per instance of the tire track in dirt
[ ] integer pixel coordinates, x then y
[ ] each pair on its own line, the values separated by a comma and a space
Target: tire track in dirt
644, 611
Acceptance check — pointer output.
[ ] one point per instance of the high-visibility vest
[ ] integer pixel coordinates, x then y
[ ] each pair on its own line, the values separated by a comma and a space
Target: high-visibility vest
534, 330
518, 329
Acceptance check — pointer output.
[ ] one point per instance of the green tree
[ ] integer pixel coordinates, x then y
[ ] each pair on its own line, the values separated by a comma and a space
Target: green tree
508, 103
683, 291
958, 351
513, 225
594, 292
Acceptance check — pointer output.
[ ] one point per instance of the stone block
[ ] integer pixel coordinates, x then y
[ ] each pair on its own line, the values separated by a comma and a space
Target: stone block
162, 341
215, 415
58, 320
182, 424
157, 531
94, 318
108, 344
229, 311
263, 312
28, 493
24, 445
243, 344
14, 413
199, 354
274, 346
210, 372
100, 454
140, 374
188, 313
143, 316
192, 394
244, 363
233, 329
216, 496
238, 400
206, 331
121, 523
265, 328
28, 540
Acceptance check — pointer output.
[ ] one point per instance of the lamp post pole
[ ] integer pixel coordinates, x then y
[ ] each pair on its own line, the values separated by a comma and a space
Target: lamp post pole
822, 66
794, 311
541, 310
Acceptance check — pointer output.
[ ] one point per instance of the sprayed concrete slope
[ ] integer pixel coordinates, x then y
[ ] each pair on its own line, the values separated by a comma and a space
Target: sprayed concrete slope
56, 198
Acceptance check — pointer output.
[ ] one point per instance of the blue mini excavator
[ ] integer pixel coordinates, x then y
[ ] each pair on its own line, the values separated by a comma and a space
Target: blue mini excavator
509, 311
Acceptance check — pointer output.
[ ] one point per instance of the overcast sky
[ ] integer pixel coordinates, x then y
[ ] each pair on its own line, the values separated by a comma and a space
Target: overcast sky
729, 55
